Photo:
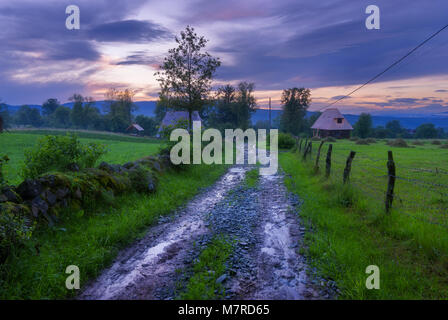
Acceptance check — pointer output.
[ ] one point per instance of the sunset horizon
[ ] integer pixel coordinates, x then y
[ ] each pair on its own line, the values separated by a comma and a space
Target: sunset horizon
328, 50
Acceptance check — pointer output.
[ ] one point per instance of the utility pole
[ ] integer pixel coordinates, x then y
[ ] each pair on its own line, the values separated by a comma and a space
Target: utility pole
269, 114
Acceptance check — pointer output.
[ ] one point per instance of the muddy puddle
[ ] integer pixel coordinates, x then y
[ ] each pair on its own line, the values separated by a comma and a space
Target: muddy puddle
147, 269
280, 271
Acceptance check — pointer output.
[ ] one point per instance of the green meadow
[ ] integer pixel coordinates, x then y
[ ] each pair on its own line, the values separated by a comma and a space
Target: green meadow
121, 149
350, 230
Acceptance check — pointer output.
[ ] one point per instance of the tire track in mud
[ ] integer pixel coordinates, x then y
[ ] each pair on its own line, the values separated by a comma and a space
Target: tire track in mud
264, 225
147, 269
279, 271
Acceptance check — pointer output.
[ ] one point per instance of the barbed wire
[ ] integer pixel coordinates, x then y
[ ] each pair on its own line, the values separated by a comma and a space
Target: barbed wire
364, 156
436, 171
402, 205
421, 182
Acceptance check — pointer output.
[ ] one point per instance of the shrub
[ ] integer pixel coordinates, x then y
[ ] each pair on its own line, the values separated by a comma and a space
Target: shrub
418, 143
285, 141
330, 139
444, 146
398, 143
142, 179
436, 142
15, 228
60, 153
371, 140
315, 139
362, 141
167, 144
3, 161
354, 138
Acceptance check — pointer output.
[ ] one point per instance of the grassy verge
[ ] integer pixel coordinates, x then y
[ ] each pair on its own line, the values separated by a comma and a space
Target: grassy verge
203, 284
251, 178
88, 134
347, 235
91, 240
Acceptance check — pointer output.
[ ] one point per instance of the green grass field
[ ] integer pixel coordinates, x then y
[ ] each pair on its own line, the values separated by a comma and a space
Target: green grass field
350, 229
121, 149
91, 238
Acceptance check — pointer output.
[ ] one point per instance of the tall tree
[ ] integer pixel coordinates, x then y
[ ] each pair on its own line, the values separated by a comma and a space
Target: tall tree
295, 103
28, 116
61, 117
162, 106
308, 122
186, 73
223, 114
233, 107
120, 106
394, 128
426, 131
363, 127
50, 106
91, 113
246, 104
77, 113
4, 116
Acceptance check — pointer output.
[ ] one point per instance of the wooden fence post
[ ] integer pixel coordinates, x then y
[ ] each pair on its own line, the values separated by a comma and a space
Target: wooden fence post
348, 166
305, 146
296, 144
316, 165
328, 161
300, 145
391, 181
307, 150
311, 149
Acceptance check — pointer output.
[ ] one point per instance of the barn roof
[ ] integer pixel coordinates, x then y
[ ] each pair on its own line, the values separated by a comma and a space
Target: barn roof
136, 126
327, 121
173, 117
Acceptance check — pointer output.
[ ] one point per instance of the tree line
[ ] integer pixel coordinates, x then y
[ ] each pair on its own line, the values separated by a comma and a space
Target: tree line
363, 128
115, 116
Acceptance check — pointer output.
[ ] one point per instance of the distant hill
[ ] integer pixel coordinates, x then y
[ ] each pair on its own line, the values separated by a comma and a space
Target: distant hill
13, 109
408, 120
146, 108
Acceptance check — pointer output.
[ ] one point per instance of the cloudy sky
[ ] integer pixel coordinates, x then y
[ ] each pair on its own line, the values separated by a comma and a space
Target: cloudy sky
323, 45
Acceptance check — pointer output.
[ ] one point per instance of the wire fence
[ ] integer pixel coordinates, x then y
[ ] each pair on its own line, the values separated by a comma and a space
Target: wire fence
420, 193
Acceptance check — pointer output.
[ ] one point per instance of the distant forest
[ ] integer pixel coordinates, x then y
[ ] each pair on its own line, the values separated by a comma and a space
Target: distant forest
232, 107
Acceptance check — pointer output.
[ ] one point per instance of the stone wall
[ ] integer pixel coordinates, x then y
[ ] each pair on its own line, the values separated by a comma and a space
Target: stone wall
42, 199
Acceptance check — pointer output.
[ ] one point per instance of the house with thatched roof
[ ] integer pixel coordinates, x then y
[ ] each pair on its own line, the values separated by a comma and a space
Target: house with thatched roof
332, 123
174, 117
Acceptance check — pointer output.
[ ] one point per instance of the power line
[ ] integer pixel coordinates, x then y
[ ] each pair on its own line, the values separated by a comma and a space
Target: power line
387, 69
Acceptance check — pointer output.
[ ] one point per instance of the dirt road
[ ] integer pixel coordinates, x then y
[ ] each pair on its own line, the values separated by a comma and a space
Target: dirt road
265, 264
